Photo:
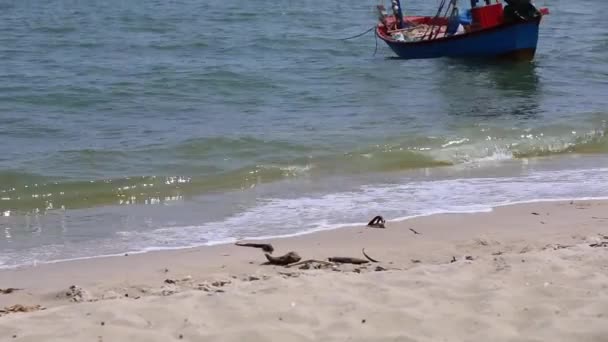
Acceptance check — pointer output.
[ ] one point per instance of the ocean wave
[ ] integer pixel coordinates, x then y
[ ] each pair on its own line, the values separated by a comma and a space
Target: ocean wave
224, 164
292, 216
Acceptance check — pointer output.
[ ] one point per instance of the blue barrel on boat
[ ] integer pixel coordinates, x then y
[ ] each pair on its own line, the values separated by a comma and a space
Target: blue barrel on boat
465, 18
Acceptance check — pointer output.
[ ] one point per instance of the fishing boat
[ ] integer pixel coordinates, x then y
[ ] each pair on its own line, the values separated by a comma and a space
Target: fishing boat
484, 30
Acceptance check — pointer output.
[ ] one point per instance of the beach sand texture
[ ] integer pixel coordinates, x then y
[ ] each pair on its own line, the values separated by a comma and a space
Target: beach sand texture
533, 275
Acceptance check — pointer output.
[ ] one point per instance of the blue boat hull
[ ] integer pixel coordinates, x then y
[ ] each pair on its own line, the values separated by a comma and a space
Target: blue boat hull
515, 40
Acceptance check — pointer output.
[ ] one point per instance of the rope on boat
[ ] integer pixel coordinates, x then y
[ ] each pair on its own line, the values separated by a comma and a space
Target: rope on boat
376, 48
364, 33
451, 5
433, 34
434, 18
360, 34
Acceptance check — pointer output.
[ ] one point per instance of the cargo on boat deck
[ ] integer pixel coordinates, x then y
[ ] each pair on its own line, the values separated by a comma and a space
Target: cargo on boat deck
487, 16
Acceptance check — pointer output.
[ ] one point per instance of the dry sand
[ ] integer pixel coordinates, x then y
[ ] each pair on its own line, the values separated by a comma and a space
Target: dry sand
532, 277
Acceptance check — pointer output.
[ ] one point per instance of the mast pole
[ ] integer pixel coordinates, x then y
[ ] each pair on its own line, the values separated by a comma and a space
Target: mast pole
396, 5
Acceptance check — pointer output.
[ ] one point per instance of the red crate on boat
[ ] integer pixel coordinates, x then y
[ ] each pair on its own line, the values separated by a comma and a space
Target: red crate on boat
487, 16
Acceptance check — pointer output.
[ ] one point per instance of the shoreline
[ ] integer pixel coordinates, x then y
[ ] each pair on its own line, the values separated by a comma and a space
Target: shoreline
232, 240
523, 259
265, 213
399, 223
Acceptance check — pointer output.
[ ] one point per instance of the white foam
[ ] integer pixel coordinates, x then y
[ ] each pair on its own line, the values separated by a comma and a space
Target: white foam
455, 142
283, 217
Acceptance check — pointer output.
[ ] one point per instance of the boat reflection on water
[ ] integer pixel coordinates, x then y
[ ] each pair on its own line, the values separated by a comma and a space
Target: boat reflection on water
491, 89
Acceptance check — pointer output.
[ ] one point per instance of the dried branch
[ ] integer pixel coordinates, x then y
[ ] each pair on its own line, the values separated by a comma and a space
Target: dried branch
367, 256
9, 290
266, 247
284, 260
347, 260
377, 222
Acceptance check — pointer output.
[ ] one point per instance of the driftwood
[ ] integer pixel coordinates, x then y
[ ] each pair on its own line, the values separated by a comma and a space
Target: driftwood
9, 290
347, 260
367, 256
266, 247
284, 260
377, 222
414, 231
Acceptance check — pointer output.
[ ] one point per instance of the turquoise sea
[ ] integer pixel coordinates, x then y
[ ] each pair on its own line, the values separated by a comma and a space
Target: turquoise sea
136, 126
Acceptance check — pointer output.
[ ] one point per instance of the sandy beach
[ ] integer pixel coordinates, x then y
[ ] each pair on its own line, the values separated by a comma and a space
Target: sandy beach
142, 140
527, 272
